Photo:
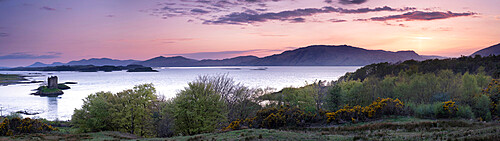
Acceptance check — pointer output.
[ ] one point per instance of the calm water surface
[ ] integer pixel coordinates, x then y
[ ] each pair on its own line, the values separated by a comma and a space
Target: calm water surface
168, 81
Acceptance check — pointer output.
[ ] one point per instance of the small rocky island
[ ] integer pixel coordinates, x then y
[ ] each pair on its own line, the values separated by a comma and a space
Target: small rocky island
53, 88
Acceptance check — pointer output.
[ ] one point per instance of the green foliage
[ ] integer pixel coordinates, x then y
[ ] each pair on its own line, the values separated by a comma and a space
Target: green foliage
95, 113
127, 111
198, 109
15, 126
493, 92
426, 110
45, 89
14, 115
460, 65
333, 98
378, 108
351, 93
279, 117
446, 109
240, 101
481, 107
465, 112
295, 97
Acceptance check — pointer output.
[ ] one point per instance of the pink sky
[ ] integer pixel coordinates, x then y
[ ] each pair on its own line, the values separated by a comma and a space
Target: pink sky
49, 31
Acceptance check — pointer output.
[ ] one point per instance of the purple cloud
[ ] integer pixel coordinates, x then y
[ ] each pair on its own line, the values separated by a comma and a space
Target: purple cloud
420, 15
347, 2
337, 20
201, 11
48, 8
241, 18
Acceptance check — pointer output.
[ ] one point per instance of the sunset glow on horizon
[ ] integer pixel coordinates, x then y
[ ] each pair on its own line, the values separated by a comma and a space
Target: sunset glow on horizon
61, 31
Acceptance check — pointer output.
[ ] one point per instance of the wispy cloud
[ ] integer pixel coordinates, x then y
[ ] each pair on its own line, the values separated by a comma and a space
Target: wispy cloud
24, 55
240, 18
420, 15
337, 20
4, 34
160, 40
269, 35
346, 2
48, 8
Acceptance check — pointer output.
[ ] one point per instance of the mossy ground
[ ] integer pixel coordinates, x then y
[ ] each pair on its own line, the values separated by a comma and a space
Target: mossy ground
45, 89
394, 128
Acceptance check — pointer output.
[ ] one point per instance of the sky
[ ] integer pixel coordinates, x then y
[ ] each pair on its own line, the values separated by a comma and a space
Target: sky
60, 31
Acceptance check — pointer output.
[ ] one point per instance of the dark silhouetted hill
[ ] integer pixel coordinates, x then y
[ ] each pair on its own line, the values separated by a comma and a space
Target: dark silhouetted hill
177, 61
236, 61
40, 64
326, 55
492, 50
101, 62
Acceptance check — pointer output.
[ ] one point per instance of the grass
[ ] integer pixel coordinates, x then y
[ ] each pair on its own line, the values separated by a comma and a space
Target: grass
391, 128
254, 134
45, 89
9, 78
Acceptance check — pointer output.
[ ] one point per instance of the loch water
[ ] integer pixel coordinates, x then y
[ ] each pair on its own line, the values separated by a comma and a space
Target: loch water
168, 81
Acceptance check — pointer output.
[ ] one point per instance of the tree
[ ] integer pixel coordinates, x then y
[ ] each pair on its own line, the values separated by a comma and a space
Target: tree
333, 98
128, 111
240, 101
134, 107
198, 109
95, 113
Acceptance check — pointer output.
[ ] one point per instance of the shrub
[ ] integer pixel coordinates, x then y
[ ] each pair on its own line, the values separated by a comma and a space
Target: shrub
380, 107
14, 115
198, 109
281, 117
426, 110
284, 116
465, 112
17, 126
493, 92
481, 107
447, 109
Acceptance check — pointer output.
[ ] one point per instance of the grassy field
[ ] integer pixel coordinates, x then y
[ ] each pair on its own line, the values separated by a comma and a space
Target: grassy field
400, 128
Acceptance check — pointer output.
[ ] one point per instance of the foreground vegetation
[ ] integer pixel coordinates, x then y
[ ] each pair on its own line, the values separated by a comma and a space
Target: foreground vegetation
390, 128
429, 102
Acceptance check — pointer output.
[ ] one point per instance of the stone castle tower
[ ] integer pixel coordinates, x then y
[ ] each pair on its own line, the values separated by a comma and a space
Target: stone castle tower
52, 82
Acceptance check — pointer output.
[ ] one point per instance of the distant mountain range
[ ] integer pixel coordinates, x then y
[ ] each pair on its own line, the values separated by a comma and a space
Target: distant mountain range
93, 61
315, 55
492, 50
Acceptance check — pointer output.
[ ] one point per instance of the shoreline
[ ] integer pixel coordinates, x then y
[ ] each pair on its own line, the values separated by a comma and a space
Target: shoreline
13, 79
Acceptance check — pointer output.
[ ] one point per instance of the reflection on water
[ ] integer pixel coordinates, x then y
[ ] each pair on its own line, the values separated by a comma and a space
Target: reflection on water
52, 108
168, 81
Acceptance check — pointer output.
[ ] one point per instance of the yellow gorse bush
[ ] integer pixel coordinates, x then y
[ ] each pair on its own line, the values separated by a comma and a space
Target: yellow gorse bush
277, 118
449, 106
385, 106
14, 126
